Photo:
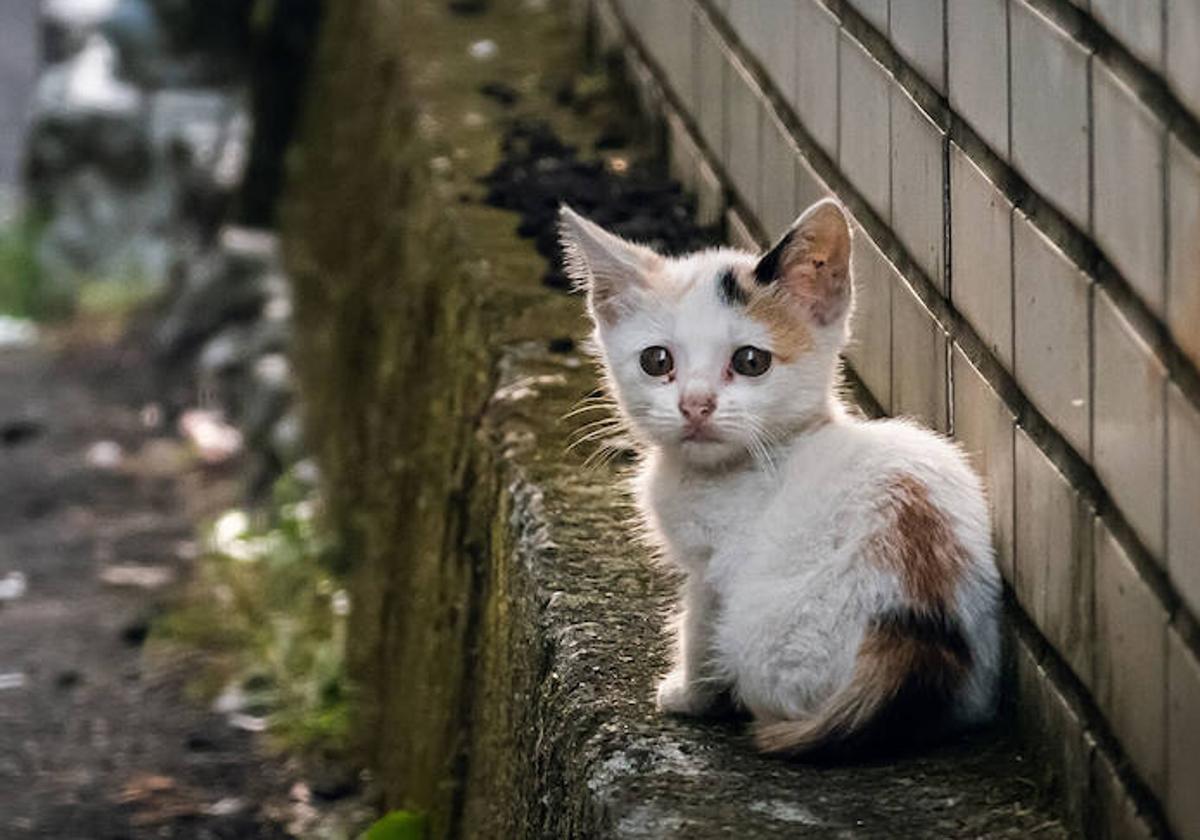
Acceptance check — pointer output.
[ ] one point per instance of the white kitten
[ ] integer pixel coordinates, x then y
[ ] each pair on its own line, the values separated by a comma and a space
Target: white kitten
840, 576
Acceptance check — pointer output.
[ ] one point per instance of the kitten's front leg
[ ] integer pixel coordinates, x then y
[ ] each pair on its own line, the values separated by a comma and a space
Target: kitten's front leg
690, 688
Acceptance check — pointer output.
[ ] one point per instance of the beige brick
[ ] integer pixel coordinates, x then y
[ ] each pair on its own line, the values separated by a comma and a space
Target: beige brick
981, 254
978, 68
711, 60
863, 139
875, 11
918, 34
816, 73
984, 426
743, 129
870, 349
1052, 548
1183, 497
777, 186
1183, 260
710, 196
768, 29
1183, 59
671, 43
683, 158
1116, 815
810, 187
1130, 659
635, 12
1055, 730
1050, 111
1050, 332
1129, 422
918, 361
1135, 23
1128, 203
738, 234
1183, 738
919, 185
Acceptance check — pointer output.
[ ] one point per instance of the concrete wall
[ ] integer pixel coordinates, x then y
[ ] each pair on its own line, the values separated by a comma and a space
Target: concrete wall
19, 60
1025, 179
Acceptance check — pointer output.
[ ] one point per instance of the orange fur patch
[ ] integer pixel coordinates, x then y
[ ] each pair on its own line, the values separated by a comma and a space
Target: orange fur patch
772, 308
919, 544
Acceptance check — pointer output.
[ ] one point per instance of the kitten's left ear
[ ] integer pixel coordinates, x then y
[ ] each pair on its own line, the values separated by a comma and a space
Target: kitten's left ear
812, 261
610, 268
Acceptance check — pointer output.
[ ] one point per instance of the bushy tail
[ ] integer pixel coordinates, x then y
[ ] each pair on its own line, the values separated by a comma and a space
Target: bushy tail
910, 669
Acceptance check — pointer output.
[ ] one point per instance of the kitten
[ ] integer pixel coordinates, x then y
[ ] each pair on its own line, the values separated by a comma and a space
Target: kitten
840, 580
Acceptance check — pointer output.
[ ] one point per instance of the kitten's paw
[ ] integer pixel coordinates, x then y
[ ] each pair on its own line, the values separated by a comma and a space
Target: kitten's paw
678, 696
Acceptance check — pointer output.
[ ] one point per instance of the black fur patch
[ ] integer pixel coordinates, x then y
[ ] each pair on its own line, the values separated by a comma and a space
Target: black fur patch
935, 628
731, 292
918, 714
767, 270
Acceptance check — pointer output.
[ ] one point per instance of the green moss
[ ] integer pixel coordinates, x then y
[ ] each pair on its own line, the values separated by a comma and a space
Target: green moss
405, 295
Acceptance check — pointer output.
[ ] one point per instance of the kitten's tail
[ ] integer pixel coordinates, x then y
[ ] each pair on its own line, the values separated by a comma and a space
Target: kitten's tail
910, 669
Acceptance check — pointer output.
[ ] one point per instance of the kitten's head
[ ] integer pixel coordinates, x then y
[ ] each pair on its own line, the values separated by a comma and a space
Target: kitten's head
713, 355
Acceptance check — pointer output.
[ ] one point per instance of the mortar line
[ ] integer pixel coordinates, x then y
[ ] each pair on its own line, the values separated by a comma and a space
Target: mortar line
1075, 242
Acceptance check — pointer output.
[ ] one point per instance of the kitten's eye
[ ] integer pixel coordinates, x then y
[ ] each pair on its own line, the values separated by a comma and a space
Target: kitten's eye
751, 361
657, 361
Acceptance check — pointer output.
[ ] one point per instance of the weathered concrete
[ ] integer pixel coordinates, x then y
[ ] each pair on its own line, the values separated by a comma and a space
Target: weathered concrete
507, 626
19, 58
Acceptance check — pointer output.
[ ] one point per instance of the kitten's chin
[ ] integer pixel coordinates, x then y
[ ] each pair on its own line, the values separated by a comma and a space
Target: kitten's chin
710, 453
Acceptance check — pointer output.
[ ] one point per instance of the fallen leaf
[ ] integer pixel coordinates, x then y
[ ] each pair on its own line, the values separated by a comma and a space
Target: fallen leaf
214, 440
137, 577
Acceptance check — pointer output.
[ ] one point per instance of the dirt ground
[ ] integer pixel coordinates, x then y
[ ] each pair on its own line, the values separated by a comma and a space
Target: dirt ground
96, 741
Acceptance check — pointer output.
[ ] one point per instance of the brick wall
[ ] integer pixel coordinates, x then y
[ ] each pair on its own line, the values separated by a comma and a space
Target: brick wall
1024, 177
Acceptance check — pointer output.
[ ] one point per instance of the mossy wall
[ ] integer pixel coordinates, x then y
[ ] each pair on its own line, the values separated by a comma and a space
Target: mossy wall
404, 294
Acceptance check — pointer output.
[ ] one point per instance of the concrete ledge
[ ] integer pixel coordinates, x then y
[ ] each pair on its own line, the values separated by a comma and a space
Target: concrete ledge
612, 767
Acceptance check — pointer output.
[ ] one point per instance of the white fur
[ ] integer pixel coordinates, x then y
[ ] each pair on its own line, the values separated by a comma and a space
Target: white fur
771, 524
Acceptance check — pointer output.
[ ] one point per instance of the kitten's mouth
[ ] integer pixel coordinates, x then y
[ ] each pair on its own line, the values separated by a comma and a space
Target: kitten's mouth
701, 434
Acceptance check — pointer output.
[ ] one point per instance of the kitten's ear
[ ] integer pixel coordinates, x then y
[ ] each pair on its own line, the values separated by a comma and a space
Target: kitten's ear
812, 261
605, 265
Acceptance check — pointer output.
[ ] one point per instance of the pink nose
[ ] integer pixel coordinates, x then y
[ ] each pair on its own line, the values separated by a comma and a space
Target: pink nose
696, 408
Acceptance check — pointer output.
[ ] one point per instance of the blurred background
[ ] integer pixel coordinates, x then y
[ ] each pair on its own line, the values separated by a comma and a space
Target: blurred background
312, 520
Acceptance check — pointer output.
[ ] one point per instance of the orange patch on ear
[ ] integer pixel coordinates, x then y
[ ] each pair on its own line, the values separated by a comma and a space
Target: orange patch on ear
919, 544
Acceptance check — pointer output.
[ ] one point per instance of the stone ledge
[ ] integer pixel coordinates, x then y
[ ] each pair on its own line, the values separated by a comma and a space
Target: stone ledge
598, 605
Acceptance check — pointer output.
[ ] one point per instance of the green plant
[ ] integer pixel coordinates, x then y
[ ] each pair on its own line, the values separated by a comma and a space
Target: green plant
271, 619
398, 825
20, 276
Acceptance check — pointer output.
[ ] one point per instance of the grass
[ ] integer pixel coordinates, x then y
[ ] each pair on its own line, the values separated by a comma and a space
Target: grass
270, 618
21, 287
26, 291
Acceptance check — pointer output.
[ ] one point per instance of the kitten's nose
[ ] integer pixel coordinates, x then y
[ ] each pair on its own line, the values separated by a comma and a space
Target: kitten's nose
696, 408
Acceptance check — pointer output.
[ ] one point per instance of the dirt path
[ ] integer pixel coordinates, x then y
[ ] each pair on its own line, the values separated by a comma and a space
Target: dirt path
93, 743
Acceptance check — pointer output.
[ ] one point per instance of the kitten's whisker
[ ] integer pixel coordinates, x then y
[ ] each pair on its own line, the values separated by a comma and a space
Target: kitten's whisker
604, 422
